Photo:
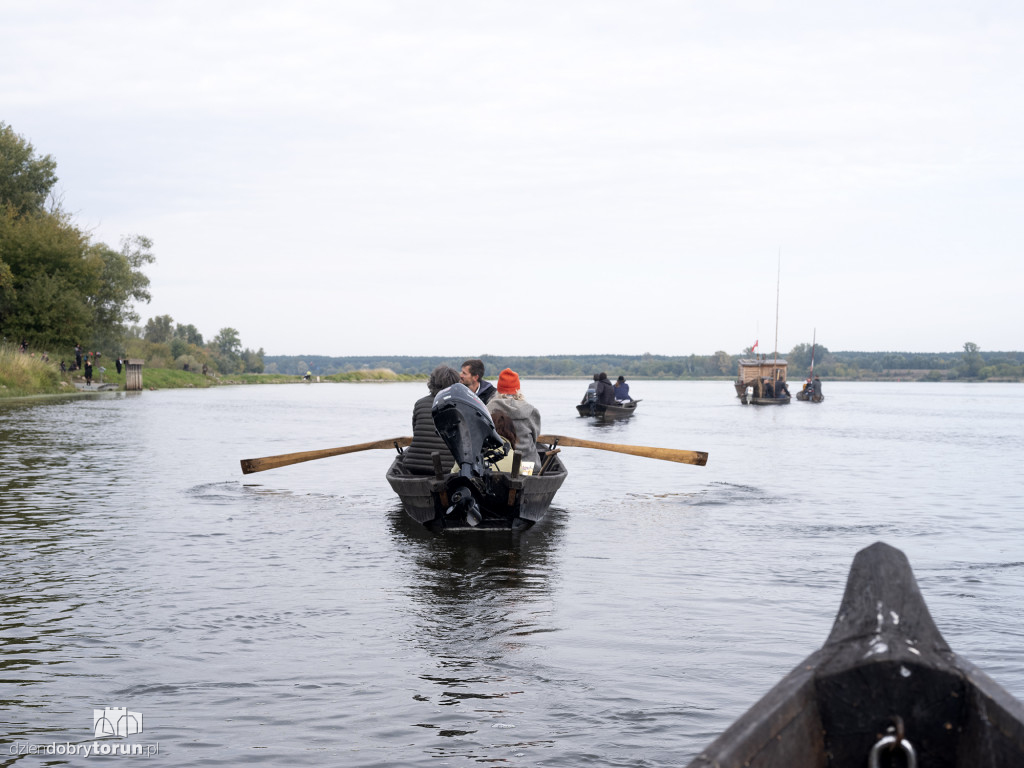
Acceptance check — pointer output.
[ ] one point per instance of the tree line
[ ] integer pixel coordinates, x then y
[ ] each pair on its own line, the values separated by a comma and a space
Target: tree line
972, 364
59, 288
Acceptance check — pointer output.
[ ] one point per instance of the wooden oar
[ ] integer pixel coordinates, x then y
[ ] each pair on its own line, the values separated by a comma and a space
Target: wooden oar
700, 458
283, 460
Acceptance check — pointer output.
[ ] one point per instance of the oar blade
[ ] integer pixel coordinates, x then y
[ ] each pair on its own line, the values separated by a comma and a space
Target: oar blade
697, 458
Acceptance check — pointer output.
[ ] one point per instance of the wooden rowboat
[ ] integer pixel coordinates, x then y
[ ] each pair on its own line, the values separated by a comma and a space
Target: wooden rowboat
807, 397
505, 500
884, 682
608, 412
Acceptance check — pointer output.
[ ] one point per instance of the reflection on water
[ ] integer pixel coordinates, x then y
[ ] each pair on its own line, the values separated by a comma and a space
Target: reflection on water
475, 601
296, 617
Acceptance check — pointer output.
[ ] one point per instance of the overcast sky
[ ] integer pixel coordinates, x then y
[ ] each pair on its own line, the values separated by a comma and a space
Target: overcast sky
519, 178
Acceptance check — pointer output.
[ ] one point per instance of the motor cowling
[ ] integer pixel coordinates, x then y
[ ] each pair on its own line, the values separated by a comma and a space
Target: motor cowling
464, 423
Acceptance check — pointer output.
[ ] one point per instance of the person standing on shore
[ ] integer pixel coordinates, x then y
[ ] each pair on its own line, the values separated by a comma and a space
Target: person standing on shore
88, 373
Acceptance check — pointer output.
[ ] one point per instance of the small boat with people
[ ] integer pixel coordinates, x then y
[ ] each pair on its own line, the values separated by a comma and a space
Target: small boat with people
811, 390
606, 401
885, 689
467, 471
621, 410
473, 493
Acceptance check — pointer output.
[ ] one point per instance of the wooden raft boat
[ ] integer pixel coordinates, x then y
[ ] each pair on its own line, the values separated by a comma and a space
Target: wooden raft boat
608, 412
505, 500
750, 381
885, 682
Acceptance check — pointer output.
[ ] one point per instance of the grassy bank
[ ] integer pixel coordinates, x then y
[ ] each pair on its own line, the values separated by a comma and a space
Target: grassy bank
22, 375
25, 375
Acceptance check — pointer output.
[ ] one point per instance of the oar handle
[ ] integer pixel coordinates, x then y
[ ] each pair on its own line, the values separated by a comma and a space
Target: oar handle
700, 458
283, 460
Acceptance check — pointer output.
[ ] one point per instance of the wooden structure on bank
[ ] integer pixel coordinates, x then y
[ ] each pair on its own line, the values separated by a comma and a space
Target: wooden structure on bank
885, 682
751, 377
133, 375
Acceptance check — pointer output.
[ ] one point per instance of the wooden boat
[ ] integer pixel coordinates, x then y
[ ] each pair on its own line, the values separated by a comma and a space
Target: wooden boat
750, 381
608, 412
808, 397
884, 682
506, 499
811, 391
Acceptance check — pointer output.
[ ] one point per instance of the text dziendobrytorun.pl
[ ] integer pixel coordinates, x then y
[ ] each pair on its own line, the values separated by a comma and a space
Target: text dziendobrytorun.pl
94, 749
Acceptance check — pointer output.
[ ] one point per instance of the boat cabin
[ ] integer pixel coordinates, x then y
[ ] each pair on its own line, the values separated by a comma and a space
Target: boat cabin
753, 372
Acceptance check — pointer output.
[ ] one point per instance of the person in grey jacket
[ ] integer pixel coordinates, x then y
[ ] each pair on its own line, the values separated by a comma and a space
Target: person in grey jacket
524, 416
417, 457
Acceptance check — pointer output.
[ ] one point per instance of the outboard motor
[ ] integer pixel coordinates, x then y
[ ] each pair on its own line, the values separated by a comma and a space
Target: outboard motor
465, 425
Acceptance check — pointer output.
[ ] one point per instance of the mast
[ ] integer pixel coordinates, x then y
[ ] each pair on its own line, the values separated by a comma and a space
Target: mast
814, 340
778, 279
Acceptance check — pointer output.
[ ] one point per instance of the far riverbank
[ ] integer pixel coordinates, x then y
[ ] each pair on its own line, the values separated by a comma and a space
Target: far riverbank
27, 376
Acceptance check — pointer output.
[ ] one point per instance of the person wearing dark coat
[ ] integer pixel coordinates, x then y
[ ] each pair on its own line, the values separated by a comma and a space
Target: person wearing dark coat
418, 458
605, 390
473, 377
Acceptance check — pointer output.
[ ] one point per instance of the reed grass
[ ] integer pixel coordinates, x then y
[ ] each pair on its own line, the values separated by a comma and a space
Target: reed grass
23, 374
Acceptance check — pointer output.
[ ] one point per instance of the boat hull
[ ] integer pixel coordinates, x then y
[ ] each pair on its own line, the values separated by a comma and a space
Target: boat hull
504, 502
608, 412
806, 397
884, 659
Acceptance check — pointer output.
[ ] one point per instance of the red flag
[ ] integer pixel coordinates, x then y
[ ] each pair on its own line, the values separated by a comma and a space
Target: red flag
755, 346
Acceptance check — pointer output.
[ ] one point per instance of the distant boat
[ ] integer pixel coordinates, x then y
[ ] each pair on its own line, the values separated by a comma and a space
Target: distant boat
608, 412
751, 387
885, 682
811, 392
762, 381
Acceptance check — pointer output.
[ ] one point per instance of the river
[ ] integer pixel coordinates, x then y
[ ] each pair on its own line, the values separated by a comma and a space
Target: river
294, 617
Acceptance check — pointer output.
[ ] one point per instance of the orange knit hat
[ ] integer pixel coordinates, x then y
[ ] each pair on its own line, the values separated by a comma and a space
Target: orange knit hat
508, 382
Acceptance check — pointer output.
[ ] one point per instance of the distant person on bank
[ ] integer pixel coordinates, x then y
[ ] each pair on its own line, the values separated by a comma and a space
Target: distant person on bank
525, 417
473, 377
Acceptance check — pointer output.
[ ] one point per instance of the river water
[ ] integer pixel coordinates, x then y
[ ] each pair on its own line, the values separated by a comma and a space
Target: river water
294, 617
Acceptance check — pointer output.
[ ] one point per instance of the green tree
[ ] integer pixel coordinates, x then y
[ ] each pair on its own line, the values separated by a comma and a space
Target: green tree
121, 283
159, 329
189, 334
252, 362
971, 361
228, 349
57, 287
25, 180
723, 361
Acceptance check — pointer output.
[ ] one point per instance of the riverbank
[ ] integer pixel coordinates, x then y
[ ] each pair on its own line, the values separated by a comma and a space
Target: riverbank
29, 376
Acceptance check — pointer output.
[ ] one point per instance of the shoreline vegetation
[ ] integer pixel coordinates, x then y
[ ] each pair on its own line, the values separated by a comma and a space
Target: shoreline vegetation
26, 375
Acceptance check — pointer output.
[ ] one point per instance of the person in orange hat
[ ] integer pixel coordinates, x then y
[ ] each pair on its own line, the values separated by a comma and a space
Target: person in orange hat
525, 417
